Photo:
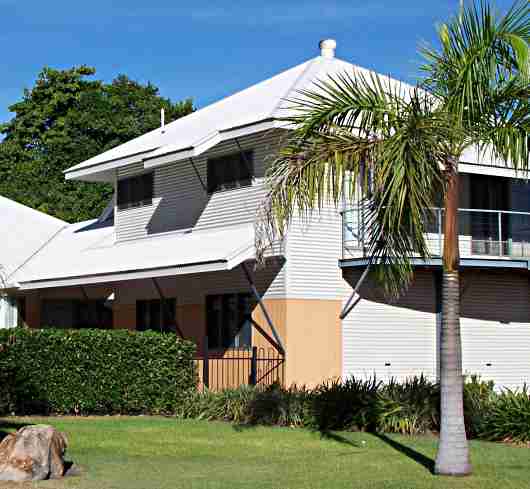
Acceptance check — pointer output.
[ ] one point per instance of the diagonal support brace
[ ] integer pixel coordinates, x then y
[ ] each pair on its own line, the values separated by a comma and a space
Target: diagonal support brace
164, 304
263, 308
348, 307
84, 292
198, 175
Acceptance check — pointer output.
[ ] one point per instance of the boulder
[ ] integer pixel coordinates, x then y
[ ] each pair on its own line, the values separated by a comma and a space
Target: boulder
33, 453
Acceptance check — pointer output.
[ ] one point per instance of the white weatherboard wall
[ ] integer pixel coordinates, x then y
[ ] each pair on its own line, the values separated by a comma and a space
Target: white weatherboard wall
495, 327
313, 249
391, 340
8, 312
180, 201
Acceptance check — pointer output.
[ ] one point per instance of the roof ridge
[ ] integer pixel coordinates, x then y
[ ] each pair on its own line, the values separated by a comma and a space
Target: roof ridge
301, 76
37, 251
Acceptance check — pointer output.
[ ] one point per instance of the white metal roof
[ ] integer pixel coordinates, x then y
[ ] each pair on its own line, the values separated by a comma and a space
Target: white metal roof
24, 231
86, 253
254, 109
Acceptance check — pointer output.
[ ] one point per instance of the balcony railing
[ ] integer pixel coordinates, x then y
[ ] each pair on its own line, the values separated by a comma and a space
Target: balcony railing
482, 233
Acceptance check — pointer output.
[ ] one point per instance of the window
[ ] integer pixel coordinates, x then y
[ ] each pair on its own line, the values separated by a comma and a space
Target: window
135, 191
228, 318
230, 171
76, 314
156, 314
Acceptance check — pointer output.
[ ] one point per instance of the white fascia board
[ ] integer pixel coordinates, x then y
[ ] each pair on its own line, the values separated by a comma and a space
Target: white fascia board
210, 141
73, 174
214, 266
498, 171
247, 129
182, 153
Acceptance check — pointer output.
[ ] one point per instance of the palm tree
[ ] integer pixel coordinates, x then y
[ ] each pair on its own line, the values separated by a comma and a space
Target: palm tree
396, 150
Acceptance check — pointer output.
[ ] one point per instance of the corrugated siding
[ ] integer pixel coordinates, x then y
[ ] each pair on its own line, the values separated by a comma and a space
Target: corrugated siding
313, 248
495, 323
180, 201
391, 340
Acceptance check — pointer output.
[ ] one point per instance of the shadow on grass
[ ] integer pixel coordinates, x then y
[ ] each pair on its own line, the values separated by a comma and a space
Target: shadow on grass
418, 457
330, 435
11, 426
242, 427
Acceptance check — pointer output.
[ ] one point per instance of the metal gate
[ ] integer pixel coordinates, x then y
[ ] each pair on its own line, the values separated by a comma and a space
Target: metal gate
234, 367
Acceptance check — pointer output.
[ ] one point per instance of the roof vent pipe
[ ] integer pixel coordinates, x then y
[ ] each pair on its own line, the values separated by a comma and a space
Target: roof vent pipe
327, 48
162, 120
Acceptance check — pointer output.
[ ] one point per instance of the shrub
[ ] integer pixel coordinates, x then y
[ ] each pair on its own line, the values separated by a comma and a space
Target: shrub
351, 404
508, 418
282, 407
227, 405
410, 407
478, 398
97, 371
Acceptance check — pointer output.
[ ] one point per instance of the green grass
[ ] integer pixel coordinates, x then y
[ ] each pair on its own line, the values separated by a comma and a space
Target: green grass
162, 453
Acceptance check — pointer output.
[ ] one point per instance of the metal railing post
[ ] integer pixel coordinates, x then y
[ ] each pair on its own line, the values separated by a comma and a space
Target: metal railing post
254, 366
362, 232
205, 364
343, 217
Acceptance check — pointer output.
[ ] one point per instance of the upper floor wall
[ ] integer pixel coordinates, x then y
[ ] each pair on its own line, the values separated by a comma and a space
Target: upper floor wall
181, 201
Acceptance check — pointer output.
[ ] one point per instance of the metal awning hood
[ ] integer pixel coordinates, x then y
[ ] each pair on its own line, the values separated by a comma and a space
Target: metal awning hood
85, 254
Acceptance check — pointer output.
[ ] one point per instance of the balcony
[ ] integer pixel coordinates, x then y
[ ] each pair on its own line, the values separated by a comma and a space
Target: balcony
486, 234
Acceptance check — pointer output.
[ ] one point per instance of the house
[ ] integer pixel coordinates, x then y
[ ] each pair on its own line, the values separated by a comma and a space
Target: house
175, 251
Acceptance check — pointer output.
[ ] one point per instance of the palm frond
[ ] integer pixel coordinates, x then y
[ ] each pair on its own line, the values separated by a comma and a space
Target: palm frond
479, 52
346, 129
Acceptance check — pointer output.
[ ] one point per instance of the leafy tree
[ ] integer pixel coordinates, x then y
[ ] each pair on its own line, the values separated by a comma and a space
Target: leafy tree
68, 117
475, 94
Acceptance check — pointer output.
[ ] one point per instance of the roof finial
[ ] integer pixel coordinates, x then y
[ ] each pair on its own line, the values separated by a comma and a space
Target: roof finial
327, 48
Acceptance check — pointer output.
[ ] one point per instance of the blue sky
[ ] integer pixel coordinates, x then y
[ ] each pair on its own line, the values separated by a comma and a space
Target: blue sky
207, 50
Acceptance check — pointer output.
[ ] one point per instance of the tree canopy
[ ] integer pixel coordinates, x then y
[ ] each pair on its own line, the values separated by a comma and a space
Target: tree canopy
68, 117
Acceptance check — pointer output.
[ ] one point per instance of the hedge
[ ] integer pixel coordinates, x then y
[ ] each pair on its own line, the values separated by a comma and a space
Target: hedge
87, 371
410, 407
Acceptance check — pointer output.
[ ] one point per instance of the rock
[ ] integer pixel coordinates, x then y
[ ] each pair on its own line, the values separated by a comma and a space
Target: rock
32, 453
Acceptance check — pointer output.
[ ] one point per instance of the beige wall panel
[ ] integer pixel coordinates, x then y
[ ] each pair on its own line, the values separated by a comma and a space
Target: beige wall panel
313, 341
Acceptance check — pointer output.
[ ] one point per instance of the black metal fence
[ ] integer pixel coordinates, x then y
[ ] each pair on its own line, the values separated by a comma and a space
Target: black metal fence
233, 367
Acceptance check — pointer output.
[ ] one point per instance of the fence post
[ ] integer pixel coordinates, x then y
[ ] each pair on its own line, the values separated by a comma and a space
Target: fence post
205, 364
254, 366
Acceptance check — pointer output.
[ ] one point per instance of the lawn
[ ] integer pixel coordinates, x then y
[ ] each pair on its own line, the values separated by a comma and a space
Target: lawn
162, 453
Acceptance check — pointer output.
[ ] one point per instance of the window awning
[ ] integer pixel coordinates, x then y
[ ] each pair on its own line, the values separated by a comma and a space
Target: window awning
86, 254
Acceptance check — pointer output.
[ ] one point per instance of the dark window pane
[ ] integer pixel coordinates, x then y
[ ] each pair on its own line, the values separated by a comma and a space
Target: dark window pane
147, 181
228, 319
230, 171
123, 194
156, 315
135, 191
169, 313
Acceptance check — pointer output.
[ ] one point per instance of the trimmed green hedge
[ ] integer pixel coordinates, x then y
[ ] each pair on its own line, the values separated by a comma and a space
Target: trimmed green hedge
94, 372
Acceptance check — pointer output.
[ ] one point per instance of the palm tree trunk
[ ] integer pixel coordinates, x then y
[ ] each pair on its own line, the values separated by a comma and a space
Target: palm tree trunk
453, 451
